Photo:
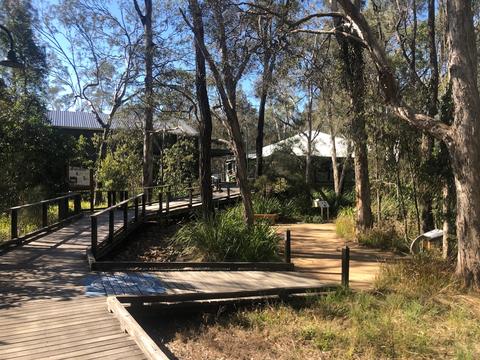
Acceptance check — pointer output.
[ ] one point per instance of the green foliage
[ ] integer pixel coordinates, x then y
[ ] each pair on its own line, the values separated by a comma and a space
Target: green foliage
33, 155
180, 162
122, 167
267, 205
227, 238
345, 223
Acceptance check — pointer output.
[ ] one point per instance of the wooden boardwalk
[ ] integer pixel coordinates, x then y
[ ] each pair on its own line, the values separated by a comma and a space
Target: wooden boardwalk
46, 305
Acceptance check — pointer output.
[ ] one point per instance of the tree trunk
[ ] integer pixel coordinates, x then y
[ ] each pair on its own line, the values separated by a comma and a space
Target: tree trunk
427, 140
205, 116
465, 149
242, 174
149, 100
336, 175
354, 68
268, 65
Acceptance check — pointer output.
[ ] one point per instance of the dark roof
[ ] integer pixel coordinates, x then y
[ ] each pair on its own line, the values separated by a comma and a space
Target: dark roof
76, 120
88, 121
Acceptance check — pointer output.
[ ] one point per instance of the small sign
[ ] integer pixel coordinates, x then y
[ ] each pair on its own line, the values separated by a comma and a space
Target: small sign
324, 204
78, 176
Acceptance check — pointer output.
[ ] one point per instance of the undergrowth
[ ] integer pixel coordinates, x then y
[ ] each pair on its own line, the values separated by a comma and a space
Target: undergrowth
416, 311
227, 238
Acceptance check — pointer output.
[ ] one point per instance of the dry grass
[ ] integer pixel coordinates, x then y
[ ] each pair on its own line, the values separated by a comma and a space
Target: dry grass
417, 311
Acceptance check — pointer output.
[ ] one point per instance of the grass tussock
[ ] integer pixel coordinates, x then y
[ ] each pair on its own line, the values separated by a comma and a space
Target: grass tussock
227, 238
345, 223
415, 312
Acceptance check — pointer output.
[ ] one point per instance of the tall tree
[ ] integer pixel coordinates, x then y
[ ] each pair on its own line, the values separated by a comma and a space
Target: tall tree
460, 137
205, 114
146, 19
231, 36
351, 53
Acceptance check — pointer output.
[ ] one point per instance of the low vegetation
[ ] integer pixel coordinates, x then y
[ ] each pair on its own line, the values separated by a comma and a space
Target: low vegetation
227, 238
416, 311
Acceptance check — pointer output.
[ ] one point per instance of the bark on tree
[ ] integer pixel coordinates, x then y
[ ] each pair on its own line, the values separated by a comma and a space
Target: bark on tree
268, 66
354, 65
461, 138
146, 20
426, 200
205, 114
226, 80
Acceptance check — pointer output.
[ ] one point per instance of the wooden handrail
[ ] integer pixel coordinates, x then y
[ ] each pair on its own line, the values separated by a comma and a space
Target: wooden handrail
62, 213
69, 195
123, 205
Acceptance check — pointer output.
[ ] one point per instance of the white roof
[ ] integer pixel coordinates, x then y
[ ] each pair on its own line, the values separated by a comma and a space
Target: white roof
322, 146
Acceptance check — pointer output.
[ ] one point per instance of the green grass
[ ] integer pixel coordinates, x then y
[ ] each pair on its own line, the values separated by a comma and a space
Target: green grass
227, 238
345, 223
416, 311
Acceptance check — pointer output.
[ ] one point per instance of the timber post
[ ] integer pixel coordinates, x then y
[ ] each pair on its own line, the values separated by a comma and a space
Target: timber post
190, 195
14, 223
288, 253
345, 266
94, 236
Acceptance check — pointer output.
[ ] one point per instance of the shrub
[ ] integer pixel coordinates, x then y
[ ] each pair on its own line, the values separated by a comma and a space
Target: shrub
345, 223
266, 205
227, 238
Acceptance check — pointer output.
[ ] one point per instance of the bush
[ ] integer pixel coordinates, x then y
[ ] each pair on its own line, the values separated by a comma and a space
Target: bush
345, 223
227, 238
383, 238
266, 205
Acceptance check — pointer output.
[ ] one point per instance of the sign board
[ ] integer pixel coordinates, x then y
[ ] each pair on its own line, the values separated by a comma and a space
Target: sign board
78, 177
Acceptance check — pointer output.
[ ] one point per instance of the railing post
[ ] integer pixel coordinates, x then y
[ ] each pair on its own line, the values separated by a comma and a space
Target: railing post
14, 223
160, 202
44, 213
135, 201
77, 204
114, 197
167, 204
125, 197
345, 266
109, 198
288, 256
190, 195
228, 191
125, 216
111, 224
94, 235
60, 210
92, 201
144, 199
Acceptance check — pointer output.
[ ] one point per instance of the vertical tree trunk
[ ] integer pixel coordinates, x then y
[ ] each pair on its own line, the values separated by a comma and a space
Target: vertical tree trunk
354, 67
205, 115
268, 65
427, 140
146, 20
336, 175
465, 149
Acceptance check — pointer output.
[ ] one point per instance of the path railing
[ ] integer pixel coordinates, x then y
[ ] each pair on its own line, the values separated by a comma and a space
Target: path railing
32, 219
101, 245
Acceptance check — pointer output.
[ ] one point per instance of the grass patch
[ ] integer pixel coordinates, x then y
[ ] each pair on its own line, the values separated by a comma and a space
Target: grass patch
345, 223
417, 311
227, 238
383, 238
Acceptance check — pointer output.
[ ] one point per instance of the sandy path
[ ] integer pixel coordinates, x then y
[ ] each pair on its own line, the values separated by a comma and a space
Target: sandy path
316, 251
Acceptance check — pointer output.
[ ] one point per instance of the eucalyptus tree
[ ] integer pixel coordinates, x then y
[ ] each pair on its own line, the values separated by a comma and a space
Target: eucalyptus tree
97, 52
230, 31
149, 51
460, 138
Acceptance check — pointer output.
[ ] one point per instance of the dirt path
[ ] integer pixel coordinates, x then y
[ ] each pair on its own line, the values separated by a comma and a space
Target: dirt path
316, 251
